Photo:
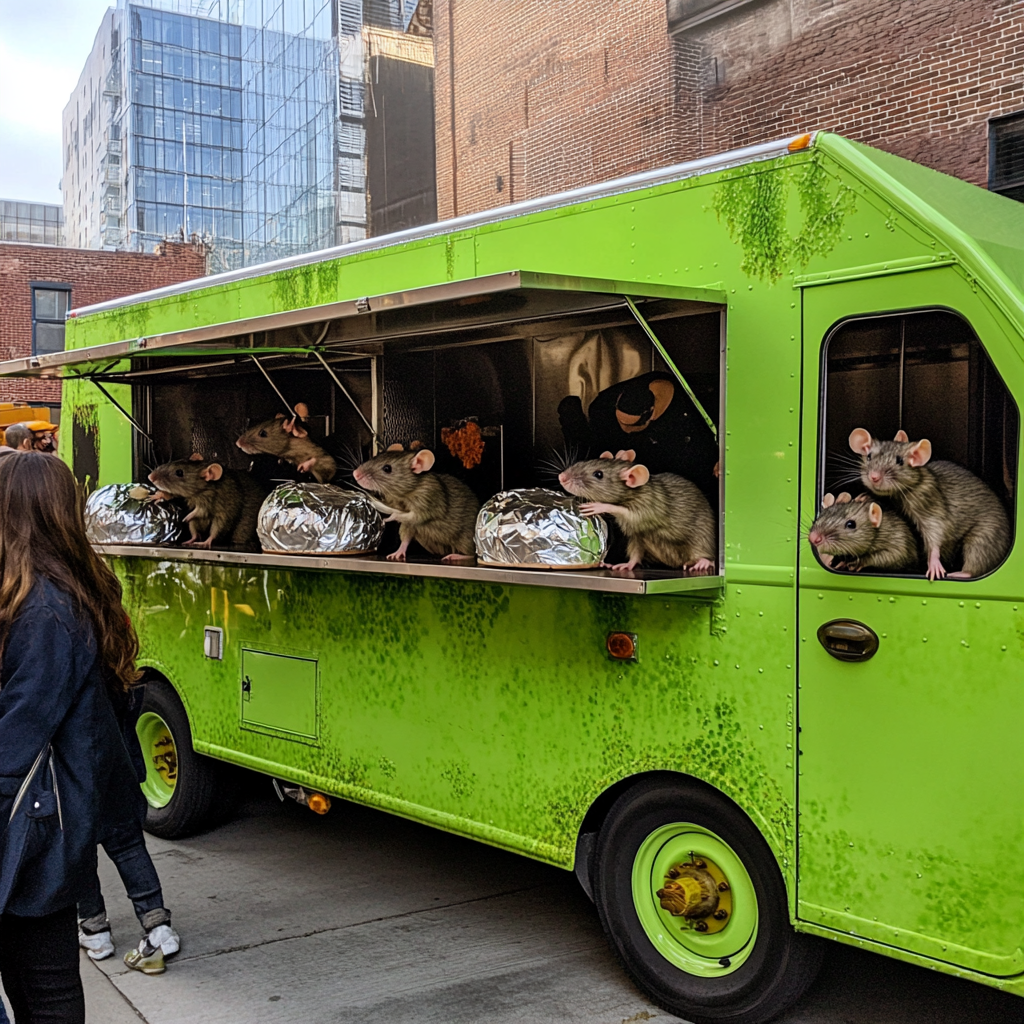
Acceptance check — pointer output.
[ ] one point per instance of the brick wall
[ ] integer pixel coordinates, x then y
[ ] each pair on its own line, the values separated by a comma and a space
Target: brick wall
94, 276
554, 96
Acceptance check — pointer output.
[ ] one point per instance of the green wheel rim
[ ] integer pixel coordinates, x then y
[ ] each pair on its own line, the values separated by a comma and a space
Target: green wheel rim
161, 757
703, 955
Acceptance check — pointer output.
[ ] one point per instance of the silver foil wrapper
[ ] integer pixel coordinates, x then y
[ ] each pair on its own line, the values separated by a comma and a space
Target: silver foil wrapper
540, 529
319, 519
120, 514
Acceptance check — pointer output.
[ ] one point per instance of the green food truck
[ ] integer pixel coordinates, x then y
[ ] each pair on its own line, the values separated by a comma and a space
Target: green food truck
736, 763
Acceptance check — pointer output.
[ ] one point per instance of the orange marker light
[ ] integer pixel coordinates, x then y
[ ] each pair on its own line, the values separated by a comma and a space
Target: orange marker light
319, 803
621, 646
800, 142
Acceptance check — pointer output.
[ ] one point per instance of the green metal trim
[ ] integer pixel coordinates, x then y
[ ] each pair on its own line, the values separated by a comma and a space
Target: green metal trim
766, 575
713, 955
638, 316
943, 259
153, 731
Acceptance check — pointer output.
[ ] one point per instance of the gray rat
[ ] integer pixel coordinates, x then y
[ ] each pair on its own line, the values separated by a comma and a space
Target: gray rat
224, 503
857, 535
663, 515
288, 439
950, 507
435, 509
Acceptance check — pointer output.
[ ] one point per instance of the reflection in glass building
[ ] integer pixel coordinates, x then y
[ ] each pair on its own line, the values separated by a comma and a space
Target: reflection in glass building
252, 125
42, 223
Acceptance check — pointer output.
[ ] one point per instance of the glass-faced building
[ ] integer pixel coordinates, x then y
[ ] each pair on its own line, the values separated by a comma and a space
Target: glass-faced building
242, 123
42, 223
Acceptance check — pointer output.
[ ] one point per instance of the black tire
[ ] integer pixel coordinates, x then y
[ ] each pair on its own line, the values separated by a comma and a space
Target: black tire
195, 802
781, 963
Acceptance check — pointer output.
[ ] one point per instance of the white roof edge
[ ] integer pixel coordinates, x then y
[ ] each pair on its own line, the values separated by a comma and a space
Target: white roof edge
644, 179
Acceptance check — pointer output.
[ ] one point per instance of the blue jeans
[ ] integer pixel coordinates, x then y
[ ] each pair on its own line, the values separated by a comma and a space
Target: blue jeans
125, 845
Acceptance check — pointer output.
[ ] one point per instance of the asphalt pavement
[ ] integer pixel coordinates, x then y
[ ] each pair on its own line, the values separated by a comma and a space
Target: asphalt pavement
287, 918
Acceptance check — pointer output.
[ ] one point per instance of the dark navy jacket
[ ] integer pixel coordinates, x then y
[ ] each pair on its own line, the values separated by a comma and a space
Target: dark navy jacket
52, 691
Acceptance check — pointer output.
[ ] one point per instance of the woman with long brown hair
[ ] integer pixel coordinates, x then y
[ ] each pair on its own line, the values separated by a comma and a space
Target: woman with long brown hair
66, 647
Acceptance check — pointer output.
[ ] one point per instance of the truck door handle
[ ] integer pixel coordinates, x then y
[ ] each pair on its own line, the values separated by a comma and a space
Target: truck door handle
848, 639
246, 687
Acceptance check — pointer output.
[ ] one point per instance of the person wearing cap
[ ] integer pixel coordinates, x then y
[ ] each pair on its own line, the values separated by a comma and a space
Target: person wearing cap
35, 435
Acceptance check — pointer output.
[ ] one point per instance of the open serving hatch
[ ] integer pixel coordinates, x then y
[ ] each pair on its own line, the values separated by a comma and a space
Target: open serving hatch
524, 355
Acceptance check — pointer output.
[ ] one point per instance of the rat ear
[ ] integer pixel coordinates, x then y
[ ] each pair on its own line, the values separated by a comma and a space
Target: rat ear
607, 455
860, 441
292, 427
422, 460
920, 453
415, 446
214, 471
626, 455
828, 501
395, 448
302, 410
635, 476
843, 498
195, 457
863, 496
280, 416
901, 435
875, 514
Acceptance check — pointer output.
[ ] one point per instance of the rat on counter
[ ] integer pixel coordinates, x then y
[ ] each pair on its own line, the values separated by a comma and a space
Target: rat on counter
949, 506
663, 516
855, 534
434, 509
224, 503
288, 440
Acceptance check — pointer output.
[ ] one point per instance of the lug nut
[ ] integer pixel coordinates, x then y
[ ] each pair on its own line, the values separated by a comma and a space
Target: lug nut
699, 864
723, 886
721, 915
701, 926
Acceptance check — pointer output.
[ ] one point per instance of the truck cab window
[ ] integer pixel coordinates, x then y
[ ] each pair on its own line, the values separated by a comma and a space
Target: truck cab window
918, 450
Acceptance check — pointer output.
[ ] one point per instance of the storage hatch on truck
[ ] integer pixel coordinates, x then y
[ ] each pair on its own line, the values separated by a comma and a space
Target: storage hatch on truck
525, 355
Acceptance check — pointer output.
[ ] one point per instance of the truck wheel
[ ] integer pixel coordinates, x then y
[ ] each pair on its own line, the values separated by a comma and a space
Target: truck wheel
181, 785
694, 905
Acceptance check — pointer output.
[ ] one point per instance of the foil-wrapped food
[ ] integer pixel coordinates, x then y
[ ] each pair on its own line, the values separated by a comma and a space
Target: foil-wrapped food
534, 528
123, 514
318, 519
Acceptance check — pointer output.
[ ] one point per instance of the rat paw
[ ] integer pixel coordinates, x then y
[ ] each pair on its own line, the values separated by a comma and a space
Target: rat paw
702, 565
396, 556
620, 566
305, 467
456, 557
958, 575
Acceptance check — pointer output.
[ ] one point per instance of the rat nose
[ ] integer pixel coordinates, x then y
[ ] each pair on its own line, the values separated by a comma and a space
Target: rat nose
357, 473
875, 476
815, 537
151, 478
561, 477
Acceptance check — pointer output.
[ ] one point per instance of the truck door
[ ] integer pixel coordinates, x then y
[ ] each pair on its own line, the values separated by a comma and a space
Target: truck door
911, 773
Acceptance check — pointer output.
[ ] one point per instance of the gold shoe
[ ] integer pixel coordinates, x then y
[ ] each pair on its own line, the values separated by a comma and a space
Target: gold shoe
148, 959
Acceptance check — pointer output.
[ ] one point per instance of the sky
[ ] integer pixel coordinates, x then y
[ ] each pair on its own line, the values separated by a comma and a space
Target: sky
43, 46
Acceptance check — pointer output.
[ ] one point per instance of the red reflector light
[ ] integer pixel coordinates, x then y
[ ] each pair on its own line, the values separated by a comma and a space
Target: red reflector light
319, 803
621, 646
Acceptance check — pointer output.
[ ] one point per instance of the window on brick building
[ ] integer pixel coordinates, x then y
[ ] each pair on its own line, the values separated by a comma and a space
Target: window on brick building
50, 305
686, 14
1006, 156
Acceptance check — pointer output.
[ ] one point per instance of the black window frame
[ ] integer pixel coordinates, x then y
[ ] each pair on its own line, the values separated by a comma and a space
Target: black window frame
48, 286
1013, 188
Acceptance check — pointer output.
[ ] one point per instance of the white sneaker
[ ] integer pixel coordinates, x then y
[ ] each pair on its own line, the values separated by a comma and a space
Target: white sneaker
164, 936
98, 946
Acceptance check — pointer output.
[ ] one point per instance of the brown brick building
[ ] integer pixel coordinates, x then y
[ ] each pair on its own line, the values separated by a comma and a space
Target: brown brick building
39, 283
537, 98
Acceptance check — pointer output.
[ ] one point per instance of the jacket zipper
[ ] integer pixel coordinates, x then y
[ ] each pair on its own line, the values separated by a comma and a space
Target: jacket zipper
28, 779
56, 792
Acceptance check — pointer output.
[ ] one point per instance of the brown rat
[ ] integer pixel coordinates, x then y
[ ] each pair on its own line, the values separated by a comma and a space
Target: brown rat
224, 503
435, 509
948, 505
663, 515
288, 439
858, 535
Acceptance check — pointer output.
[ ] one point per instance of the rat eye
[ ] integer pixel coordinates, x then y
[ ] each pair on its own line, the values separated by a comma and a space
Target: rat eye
598, 474
869, 456
899, 460
179, 472
263, 433
851, 524
387, 468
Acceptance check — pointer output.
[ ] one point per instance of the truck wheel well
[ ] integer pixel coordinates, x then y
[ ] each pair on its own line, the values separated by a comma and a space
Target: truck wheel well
598, 811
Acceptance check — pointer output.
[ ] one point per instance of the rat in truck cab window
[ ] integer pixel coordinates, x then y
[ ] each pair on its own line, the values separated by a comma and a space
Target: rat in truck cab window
857, 534
950, 507
663, 516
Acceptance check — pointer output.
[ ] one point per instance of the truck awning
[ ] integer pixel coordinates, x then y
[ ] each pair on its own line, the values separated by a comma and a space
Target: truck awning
467, 309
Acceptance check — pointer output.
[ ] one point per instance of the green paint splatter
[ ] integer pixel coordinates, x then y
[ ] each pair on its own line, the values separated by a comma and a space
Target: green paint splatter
449, 257
755, 208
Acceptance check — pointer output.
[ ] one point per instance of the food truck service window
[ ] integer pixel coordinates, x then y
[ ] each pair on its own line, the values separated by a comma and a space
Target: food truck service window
917, 467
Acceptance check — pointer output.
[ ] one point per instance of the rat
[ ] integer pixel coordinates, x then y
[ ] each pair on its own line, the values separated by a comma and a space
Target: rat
855, 534
663, 515
948, 505
435, 509
224, 503
288, 440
